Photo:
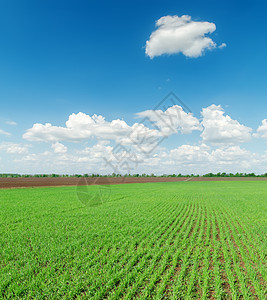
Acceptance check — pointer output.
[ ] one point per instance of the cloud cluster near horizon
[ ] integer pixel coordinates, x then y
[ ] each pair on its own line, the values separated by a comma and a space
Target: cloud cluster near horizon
176, 34
218, 148
216, 127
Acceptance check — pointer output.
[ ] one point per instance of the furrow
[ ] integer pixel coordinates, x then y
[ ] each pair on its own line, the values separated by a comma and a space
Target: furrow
179, 286
109, 264
238, 287
162, 267
253, 258
157, 254
164, 285
251, 280
161, 278
135, 257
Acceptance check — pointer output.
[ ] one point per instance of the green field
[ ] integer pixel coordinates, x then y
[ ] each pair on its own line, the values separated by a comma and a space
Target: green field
181, 240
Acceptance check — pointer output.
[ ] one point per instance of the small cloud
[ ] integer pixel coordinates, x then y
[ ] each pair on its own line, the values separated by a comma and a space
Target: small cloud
223, 45
4, 132
11, 123
176, 34
59, 148
262, 130
12, 148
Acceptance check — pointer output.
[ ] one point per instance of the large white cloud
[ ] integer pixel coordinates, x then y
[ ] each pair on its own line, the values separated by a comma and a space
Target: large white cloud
81, 127
176, 34
221, 129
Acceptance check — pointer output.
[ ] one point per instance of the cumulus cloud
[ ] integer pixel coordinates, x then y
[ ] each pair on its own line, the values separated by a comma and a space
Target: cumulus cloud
176, 34
262, 129
99, 150
221, 129
190, 154
141, 138
172, 120
230, 155
59, 148
81, 127
138, 144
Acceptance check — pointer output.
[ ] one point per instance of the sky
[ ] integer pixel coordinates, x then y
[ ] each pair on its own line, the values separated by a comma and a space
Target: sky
133, 87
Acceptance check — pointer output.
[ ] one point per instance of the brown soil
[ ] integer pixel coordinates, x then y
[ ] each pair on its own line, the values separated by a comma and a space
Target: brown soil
72, 181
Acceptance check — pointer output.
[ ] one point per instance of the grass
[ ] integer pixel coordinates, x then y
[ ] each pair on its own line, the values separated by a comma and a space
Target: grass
153, 240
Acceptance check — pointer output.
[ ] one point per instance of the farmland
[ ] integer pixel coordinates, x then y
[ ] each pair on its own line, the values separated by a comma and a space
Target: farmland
172, 240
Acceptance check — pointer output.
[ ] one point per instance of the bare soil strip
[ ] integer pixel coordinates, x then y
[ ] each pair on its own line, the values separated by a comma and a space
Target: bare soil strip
73, 181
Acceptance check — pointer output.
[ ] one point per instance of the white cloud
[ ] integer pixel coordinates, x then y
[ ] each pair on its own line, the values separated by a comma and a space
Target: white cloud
221, 129
201, 159
81, 127
78, 127
4, 132
59, 148
262, 129
184, 159
11, 123
176, 34
172, 120
91, 159
230, 155
12, 148
190, 154
30, 157
141, 138
219, 151
97, 151
223, 45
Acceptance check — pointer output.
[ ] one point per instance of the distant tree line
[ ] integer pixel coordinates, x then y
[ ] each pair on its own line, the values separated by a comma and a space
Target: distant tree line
11, 175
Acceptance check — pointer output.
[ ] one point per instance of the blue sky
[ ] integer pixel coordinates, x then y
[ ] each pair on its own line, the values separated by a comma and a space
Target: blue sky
63, 57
